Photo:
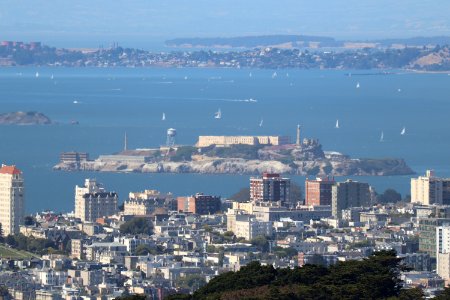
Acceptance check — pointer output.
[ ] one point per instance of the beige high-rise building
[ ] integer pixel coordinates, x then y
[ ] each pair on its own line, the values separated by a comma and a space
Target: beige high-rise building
430, 189
12, 205
93, 202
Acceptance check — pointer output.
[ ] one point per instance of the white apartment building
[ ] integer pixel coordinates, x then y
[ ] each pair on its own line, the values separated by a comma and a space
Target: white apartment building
443, 251
248, 227
12, 204
430, 189
93, 202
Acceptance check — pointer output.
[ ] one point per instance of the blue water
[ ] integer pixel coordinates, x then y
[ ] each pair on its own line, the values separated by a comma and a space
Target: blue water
113, 101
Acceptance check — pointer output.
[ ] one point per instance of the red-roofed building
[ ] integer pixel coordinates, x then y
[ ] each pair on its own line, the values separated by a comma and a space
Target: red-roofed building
12, 170
12, 206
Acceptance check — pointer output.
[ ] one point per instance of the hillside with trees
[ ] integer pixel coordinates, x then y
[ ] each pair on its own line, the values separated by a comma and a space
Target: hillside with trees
376, 277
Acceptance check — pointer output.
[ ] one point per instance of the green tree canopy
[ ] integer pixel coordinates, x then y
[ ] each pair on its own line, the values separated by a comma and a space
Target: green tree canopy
376, 277
137, 226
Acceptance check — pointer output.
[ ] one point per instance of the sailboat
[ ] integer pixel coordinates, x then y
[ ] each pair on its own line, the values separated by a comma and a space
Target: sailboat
337, 124
37, 74
52, 77
163, 117
261, 123
403, 131
357, 85
218, 114
274, 74
382, 137
250, 74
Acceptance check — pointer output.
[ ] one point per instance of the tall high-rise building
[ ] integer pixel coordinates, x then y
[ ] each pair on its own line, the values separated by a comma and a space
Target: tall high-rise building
430, 189
318, 191
93, 202
270, 187
12, 205
443, 251
349, 194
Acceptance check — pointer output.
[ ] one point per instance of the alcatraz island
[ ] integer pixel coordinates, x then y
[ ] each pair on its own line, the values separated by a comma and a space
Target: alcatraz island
235, 155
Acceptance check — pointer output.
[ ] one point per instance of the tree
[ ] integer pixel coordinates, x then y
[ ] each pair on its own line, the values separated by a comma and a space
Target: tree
137, 226
132, 297
444, 295
242, 195
411, 294
2, 239
191, 281
376, 277
142, 250
389, 196
261, 243
29, 221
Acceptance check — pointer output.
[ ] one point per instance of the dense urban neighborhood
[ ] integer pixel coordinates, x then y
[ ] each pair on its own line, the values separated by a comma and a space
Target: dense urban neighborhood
160, 245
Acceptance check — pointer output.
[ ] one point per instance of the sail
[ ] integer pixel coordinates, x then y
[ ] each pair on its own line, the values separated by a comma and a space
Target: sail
163, 117
337, 123
403, 131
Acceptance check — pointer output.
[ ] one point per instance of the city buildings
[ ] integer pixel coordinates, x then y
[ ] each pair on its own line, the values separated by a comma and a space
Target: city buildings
430, 189
443, 251
12, 204
349, 194
318, 191
93, 202
270, 187
199, 204
144, 203
206, 141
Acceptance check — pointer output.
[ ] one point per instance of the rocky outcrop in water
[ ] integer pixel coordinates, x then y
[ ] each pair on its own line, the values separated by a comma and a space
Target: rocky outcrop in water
305, 159
343, 167
24, 118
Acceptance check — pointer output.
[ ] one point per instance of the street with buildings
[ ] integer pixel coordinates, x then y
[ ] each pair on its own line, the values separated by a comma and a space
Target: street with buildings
158, 244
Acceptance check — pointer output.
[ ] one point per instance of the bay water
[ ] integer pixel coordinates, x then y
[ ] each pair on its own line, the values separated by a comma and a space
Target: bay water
107, 102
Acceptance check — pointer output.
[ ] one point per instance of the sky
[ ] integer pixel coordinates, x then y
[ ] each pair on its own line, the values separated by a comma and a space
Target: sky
147, 23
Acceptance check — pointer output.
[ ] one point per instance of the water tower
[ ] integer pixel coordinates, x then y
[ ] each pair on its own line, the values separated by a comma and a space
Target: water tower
171, 133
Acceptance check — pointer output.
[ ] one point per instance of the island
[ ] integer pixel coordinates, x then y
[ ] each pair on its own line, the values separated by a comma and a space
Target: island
237, 155
24, 118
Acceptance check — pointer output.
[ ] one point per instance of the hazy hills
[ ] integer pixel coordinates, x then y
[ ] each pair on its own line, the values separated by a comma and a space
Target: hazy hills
302, 41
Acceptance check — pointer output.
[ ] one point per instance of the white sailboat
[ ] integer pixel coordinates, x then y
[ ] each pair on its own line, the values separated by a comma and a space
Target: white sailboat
357, 85
52, 77
382, 137
274, 75
250, 74
337, 124
163, 117
403, 132
37, 74
218, 114
261, 123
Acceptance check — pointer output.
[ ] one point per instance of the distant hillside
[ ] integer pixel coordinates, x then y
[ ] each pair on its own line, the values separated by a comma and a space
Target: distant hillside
299, 41
417, 41
255, 41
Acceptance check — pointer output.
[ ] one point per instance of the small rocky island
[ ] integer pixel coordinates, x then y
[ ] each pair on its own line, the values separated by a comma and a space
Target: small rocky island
305, 158
24, 118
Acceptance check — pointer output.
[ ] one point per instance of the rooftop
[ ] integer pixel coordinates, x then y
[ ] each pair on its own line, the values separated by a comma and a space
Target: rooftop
12, 170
